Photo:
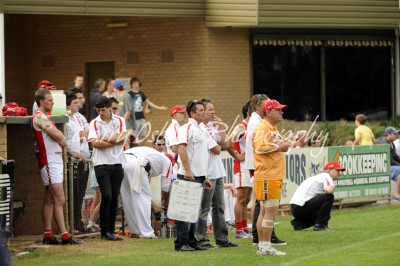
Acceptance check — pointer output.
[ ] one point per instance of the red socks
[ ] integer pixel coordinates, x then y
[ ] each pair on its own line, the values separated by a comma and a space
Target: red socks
244, 226
238, 227
65, 236
47, 233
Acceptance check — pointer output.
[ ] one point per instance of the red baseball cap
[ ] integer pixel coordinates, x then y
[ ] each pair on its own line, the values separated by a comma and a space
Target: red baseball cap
334, 165
273, 104
178, 109
45, 84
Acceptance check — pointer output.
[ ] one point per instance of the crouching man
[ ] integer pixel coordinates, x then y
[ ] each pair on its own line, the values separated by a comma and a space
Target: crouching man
312, 202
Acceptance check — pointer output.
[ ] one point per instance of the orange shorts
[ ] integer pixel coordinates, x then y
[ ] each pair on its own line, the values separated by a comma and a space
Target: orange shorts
268, 189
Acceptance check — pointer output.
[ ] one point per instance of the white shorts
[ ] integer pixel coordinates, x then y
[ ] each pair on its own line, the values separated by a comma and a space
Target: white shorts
243, 179
52, 174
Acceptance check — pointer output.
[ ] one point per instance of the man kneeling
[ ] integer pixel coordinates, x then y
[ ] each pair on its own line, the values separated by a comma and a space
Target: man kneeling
312, 202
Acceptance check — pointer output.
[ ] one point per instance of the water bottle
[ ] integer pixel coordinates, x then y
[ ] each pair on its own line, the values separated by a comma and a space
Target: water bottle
170, 230
163, 231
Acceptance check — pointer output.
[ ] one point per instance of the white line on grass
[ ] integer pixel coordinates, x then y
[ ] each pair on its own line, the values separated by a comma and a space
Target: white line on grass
293, 262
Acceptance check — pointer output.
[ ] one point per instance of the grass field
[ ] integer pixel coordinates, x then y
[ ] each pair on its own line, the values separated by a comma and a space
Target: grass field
362, 236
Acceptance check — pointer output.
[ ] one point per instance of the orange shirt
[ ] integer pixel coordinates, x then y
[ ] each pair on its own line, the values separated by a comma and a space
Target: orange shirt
271, 165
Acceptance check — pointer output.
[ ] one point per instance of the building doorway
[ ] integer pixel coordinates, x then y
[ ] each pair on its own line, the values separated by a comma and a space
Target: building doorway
95, 71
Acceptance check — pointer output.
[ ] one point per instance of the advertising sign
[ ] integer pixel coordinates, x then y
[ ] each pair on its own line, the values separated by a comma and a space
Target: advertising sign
367, 171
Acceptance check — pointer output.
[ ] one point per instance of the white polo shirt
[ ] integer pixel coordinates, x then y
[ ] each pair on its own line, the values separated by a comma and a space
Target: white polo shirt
99, 129
84, 125
198, 145
160, 164
310, 188
216, 167
249, 155
73, 139
171, 135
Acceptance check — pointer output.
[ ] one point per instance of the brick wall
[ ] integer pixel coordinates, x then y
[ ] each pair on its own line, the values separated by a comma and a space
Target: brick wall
210, 63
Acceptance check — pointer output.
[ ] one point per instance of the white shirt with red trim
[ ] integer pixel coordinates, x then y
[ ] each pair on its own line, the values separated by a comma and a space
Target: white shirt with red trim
84, 125
311, 187
198, 145
47, 149
249, 156
98, 130
216, 167
171, 135
73, 139
160, 164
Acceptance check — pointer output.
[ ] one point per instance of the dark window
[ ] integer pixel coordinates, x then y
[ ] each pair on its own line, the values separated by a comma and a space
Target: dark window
357, 80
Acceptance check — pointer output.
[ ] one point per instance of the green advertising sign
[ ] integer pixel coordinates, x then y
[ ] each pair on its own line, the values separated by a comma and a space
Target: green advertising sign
367, 171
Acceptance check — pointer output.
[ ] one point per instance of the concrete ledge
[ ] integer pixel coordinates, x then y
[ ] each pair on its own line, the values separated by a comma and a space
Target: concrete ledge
27, 119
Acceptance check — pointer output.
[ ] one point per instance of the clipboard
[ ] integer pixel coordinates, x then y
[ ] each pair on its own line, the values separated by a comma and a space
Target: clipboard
185, 201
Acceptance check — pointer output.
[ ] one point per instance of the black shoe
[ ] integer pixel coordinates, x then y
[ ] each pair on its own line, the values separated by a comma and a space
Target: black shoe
296, 225
71, 241
111, 237
51, 241
208, 246
227, 245
276, 241
198, 247
184, 247
320, 227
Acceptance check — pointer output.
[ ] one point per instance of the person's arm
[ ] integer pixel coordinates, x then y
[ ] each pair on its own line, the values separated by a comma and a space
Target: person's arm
264, 143
42, 122
232, 188
234, 154
373, 140
83, 135
128, 106
127, 115
217, 122
57, 136
329, 187
216, 150
100, 144
236, 135
174, 148
151, 104
182, 151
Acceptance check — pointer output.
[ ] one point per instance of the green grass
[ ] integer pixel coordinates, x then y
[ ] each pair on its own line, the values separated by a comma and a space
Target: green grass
363, 236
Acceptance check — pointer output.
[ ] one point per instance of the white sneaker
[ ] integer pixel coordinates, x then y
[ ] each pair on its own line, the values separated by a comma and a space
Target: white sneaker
271, 252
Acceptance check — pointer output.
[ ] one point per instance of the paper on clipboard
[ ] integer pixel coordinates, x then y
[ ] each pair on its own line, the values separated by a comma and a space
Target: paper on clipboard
185, 201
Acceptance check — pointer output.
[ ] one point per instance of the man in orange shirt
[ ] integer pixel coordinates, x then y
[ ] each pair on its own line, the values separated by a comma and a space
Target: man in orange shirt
269, 162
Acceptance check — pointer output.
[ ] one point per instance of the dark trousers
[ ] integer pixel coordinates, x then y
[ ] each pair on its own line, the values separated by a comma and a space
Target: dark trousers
254, 227
109, 178
315, 211
185, 231
81, 174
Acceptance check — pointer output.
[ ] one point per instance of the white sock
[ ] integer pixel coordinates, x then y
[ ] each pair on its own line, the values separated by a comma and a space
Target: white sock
90, 224
262, 244
267, 244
